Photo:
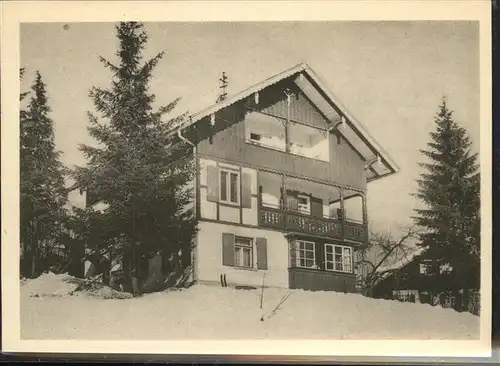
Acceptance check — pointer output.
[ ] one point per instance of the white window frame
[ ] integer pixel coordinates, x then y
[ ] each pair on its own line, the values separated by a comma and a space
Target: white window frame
238, 254
299, 251
307, 209
227, 200
345, 262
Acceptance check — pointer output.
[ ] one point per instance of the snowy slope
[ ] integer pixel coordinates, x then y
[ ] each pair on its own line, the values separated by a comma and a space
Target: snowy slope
211, 312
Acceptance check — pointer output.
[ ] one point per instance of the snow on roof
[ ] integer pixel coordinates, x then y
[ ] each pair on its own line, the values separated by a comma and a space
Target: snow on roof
311, 85
401, 262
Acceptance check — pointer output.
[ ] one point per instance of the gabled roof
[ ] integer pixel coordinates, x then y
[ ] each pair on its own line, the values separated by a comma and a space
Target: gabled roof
378, 162
401, 262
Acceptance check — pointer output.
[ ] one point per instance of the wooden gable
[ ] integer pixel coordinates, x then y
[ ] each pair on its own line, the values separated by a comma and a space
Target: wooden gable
301, 108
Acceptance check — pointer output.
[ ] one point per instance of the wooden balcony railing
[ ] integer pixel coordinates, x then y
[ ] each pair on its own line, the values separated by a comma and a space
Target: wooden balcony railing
294, 221
355, 231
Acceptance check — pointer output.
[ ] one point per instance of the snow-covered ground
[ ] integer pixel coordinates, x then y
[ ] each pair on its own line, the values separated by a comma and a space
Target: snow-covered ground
211, 312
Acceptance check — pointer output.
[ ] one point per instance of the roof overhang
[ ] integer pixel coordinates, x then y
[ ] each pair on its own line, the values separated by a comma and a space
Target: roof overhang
377, 161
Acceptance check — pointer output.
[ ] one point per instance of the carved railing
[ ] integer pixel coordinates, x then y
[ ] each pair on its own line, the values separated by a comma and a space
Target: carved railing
273, 218
313, 225
355, 231
292, 221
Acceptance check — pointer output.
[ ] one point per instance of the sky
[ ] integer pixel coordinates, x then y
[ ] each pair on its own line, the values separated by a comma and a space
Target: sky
390, 75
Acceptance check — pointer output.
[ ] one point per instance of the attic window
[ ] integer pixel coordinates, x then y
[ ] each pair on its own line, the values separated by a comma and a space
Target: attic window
309, 142
265, 131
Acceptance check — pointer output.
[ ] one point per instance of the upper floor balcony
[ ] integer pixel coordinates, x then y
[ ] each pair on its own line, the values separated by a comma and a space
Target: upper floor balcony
310, 208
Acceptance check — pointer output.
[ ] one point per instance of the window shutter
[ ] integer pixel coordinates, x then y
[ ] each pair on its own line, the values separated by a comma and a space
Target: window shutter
261, 246
227, 249
246, 190
316, 207
212, 183
292, 203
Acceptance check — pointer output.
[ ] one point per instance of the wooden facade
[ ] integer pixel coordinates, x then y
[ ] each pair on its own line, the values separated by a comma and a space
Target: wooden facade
223, 148
314, 280
226, 140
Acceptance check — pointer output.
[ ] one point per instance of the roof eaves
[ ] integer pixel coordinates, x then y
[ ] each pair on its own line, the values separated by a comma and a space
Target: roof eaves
241, 95
356, 124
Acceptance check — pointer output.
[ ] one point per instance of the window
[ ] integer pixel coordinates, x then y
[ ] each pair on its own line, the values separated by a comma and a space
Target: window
306, 255
229, 186
309, 142
304, 203
265, 130
338, 258
243, 252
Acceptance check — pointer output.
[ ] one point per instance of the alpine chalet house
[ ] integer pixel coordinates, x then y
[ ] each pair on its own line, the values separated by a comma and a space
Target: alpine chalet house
281, 191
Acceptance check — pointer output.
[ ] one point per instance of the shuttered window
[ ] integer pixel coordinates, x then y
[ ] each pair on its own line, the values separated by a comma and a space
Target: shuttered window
244, 252
223, 185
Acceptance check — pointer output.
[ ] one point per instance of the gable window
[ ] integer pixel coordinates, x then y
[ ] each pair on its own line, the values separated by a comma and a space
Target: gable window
243, 251
306, 254
338, 258
265, 130
229, 186
309, 141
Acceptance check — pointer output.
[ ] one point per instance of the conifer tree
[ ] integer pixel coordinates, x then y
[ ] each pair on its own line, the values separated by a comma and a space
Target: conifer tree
449, 188
42, 192
137, 171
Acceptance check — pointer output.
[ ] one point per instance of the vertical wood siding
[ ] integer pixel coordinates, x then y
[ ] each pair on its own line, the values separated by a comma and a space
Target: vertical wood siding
226, 140
301, 110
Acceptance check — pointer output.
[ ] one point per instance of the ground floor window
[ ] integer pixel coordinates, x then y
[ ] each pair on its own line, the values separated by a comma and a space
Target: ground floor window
306, 254
338, 258
243, 251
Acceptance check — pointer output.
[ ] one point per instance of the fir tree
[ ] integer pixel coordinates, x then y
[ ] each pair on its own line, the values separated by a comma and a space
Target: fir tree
449, 188
42, 192
138, 171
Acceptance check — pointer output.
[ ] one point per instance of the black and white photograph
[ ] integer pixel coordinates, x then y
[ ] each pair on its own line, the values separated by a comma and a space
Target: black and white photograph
249, 180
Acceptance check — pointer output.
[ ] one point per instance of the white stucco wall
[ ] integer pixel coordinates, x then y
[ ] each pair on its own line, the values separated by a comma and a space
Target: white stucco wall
208, 265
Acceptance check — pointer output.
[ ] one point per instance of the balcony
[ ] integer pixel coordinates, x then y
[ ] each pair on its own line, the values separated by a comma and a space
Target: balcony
302, 223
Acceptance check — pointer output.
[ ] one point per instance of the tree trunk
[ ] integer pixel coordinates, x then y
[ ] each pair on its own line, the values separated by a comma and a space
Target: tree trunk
33, 262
